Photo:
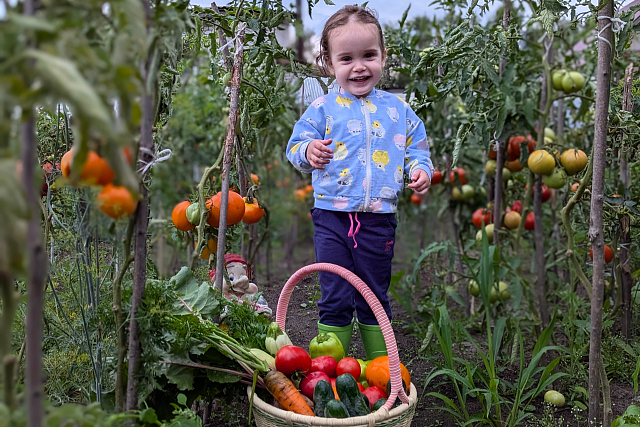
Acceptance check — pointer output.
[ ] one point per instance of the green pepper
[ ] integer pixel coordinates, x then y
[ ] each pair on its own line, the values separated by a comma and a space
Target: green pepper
326, 344
363, 369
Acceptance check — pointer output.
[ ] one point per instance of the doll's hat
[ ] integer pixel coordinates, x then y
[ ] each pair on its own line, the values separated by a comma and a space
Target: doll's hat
229, 258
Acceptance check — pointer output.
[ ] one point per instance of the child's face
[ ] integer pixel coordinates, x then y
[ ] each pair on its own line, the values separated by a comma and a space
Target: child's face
356, 59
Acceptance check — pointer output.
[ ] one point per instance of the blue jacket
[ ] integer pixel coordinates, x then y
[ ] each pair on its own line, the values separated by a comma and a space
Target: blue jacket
376, 141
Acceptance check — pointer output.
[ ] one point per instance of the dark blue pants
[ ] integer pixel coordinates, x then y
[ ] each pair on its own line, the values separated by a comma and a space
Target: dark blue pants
370, 261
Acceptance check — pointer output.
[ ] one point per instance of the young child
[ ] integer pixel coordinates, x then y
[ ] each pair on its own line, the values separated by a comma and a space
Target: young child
358, 145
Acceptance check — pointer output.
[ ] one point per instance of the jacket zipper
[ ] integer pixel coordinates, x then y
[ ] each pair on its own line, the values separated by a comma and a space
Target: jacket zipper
367, 120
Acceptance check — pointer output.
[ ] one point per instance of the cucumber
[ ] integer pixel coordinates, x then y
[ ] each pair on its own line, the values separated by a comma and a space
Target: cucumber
322, 394
357, 403
378, 404
335, 409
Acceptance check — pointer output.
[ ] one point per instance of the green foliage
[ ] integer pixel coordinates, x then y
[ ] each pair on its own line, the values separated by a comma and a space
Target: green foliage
631, 417
484, 380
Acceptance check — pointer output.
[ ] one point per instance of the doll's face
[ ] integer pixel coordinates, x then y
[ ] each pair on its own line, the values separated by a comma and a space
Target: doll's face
236, 271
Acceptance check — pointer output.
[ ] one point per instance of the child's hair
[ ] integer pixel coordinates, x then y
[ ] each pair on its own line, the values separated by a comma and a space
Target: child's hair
340, 18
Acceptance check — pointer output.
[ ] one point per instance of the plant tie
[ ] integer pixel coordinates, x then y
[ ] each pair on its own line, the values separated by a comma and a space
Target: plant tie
156, 157
616, 25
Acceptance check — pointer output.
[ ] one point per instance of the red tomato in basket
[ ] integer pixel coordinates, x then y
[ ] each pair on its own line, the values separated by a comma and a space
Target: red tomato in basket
326, 364
348, 365
374, 393
291, 358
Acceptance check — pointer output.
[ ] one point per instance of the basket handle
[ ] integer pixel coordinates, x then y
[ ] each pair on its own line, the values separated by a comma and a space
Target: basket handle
397, 391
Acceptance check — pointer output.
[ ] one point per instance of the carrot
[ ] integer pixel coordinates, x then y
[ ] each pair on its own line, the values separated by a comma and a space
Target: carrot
286, 393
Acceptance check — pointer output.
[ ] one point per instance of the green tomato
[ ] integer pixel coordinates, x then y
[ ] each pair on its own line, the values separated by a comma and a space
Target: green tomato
573, 81
473, 287
489, 229
557, 77
506, 174
326, 344
193, 214
502, 293
467, 191
557, 179
490, 167
549, 133
554, 397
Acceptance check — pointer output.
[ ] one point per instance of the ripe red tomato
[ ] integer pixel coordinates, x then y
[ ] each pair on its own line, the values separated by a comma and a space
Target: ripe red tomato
513, 148
291, 358
546, 192
326, 364
517, 206
461, 173
436, 178
374, 393
348, 365
530, 222
608, 254
480, 215
416, 199
308, 383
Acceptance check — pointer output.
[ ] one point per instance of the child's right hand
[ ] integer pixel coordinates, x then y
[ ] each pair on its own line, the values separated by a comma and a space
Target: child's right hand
318, 154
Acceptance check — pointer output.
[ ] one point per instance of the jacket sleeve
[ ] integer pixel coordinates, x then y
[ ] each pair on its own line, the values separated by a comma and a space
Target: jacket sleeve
418, 155
310, 126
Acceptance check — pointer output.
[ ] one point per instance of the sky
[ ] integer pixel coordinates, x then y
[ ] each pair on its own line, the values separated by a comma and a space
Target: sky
389, 11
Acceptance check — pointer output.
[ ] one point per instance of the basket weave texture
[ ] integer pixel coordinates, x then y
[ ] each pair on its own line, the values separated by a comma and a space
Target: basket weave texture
267, 415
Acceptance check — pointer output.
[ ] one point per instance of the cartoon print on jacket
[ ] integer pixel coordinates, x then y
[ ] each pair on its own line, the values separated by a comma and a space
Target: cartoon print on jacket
398, 175
343, 101
368, 149
329, 125
377, 130
387, 193
319, 102
392, 112
362, 156
326, 179
340, 202
341, 151
370, 106
380, 158
312, 122
400, 141
354, 127
345, 177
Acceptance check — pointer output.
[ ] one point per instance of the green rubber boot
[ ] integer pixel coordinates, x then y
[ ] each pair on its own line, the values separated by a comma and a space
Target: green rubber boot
373, 341
343, 333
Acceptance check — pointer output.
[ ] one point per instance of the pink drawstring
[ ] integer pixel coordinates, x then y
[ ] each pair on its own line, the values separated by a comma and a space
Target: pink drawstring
353, 233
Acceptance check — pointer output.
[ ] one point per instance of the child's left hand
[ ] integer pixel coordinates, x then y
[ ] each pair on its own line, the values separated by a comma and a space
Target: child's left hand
420, 182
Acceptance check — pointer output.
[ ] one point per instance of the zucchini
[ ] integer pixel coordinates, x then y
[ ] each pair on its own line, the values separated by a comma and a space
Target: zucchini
335, 409
322, 393
357, 403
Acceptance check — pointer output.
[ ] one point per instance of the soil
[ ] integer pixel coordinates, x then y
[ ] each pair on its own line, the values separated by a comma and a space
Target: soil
302, 316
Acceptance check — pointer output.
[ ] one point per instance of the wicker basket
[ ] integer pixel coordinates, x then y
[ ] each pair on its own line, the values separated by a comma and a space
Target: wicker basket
267, 415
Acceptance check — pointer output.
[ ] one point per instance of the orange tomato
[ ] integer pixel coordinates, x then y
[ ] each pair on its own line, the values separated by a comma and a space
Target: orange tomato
211, 248
377, 373
255, 179
116, 202
95, 170
252, 212
415, 199
308, 189
235, 209
461, 173
300, 194
179, 216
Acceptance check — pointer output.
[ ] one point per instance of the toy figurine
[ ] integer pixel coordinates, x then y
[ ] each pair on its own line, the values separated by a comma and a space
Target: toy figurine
240, 288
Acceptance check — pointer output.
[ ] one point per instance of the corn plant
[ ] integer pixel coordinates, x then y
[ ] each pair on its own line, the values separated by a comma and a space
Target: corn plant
503, 403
